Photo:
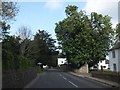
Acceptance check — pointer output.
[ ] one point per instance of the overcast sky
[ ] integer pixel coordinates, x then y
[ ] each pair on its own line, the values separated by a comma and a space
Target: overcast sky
43, 14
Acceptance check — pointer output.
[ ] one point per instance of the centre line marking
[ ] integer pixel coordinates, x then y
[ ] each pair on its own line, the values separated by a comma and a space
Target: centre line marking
64, 78
72, 83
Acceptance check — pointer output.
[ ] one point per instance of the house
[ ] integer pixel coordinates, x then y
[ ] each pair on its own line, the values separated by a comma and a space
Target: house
45, 66
114, 57
104, 64
62, 61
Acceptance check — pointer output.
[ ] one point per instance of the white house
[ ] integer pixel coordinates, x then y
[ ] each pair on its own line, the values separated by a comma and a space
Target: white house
102, 64
45, 66
62, 61
114, 57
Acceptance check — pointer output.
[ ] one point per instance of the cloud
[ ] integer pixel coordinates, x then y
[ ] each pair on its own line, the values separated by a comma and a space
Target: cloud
54, 4
105, 7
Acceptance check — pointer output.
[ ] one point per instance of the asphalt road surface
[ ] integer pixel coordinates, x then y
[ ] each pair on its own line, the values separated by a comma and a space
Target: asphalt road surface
57, 79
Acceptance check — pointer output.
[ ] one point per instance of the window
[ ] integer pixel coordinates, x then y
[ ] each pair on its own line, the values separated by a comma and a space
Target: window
113, 54
114, 67
106, 61
61, 61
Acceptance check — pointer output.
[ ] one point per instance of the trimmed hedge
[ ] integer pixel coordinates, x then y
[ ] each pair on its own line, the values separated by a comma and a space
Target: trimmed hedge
108, 75
14, 62
24, 63
7, 60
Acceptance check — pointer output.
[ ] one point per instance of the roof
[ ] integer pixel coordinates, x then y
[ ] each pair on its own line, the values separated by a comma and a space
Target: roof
116, 46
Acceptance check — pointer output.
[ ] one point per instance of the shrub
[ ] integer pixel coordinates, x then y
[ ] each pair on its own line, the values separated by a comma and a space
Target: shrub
108, 75
12, 61
25, 62
7, 60
16, 62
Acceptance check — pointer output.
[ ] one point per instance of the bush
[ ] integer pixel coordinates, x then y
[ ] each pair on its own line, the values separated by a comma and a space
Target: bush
108, 75
15, 62
39, 69
7, 60
25, 63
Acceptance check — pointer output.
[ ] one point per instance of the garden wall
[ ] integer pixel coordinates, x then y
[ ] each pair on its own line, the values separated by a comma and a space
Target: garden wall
18, 79
83, 69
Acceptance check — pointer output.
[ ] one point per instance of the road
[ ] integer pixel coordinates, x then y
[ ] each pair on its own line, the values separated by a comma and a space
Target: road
56, 79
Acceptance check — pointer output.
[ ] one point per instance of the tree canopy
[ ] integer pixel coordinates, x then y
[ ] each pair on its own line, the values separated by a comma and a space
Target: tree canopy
9, 10
8, 13
118, 31
21, 52
84, 38
44, 48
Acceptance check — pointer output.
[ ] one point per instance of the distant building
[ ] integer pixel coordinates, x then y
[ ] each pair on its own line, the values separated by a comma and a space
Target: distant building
45, 66
114, 56
104, 64
62, 61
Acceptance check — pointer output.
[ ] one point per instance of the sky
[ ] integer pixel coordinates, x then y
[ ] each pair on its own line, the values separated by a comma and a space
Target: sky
43, 14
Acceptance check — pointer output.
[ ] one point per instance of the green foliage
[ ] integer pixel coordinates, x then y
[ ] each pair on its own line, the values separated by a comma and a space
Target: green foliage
105, 72
107, 75
7, 60
5, 28
23, 54
11, 56
71, 10
8, 12
118, 31
39, 69
43, 48
10, 62
24, 62
25, 48
84, 38
11, 44
16, 62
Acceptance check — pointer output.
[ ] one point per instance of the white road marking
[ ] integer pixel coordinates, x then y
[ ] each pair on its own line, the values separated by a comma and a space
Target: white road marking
64, 78
68, 80
72, 83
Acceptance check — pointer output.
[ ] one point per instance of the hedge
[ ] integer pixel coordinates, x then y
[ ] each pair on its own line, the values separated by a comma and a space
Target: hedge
14, 62
108, 75
7, 60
